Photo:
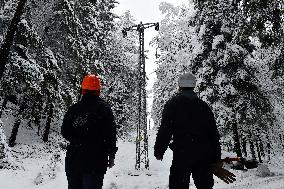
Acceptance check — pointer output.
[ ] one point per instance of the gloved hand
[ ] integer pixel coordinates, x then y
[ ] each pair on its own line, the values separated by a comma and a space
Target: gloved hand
222, 173
111, 161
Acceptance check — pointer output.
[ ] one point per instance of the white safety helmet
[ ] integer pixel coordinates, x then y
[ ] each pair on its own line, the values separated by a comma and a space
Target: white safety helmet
187, 80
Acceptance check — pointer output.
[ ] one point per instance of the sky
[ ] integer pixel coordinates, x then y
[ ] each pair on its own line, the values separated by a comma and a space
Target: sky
146, 11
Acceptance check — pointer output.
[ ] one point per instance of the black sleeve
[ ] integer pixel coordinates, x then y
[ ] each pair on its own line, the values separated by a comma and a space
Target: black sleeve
164, 134
214, 137
66, 128
111, 133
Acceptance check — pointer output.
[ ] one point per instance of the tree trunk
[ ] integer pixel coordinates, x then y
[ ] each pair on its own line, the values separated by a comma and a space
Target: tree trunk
268, 147
282, 141
48, 122
38, 130
3, 107
14, 133
37, 123
281, 137
228, 148
261, 147
244, 147
251, 145
268, 150
258, 151
2, 4
8, 42
237, 145
16, 126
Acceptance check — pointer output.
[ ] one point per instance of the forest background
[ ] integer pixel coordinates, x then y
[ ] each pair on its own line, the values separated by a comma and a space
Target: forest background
234, 47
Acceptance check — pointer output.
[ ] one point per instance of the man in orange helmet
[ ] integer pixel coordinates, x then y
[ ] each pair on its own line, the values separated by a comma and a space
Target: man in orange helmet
90, 128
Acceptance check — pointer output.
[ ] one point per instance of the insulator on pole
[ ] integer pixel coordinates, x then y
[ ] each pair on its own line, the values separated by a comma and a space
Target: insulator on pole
157, 26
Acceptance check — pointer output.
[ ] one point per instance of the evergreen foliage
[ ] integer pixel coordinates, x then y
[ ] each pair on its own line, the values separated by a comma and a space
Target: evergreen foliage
57, 43
220, 41
121, 82
6, 159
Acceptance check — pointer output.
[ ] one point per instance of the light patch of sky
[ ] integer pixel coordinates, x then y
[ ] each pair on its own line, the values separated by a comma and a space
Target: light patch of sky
147, 11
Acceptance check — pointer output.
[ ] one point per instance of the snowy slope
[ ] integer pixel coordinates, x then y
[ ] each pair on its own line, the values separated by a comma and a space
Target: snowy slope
35, 158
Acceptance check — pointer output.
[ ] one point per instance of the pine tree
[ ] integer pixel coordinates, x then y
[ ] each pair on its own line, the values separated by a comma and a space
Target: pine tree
219, 45
120, 62
69, 40
27, 70
227, 50
8, 42
178, 45
77, 32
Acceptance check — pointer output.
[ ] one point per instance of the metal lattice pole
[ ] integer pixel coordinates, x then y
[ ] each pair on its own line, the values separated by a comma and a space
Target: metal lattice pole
139, 137
142, 136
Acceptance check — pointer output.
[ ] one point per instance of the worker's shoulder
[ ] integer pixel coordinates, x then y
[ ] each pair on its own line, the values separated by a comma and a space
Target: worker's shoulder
204, 106
104, 105
173, 100
202, 102
103, 102
72, 109
197, 101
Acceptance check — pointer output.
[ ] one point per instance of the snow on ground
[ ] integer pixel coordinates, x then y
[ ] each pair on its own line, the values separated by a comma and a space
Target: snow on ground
35, 158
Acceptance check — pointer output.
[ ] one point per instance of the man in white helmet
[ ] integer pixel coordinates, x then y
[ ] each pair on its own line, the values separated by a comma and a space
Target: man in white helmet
189, 123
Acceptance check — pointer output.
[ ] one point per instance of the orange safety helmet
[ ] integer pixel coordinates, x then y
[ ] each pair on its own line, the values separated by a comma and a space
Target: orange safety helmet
91, 83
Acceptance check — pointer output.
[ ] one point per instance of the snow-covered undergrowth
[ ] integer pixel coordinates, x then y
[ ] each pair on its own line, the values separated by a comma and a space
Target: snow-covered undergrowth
6, 158
44, 169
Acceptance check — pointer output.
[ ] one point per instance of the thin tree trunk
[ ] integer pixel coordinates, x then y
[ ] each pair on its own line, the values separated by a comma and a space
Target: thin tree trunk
244, 147
228, 148
281, 140
8, 42
237, 145
37, 123
268, 150
15, 130
261, 148
251, 145
16, 126
48, 122
268, 147
43, 117
38, 130
3, 107
258, 152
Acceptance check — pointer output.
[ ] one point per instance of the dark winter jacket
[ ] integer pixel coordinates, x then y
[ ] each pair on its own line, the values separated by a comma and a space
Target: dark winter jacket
90, 128
189, 123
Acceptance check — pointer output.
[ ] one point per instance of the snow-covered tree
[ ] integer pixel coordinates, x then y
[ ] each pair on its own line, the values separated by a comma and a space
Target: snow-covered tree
57, 43
7, 161
30, 67
216, 44
178, 44
120, 78
78, 32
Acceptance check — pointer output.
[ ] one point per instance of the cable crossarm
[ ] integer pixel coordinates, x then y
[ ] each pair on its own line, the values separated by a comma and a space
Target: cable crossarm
139, 27
147, 25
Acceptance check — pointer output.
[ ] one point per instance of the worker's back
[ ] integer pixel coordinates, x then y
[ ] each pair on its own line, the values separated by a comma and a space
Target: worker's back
188, 127
89, 127
194, 131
